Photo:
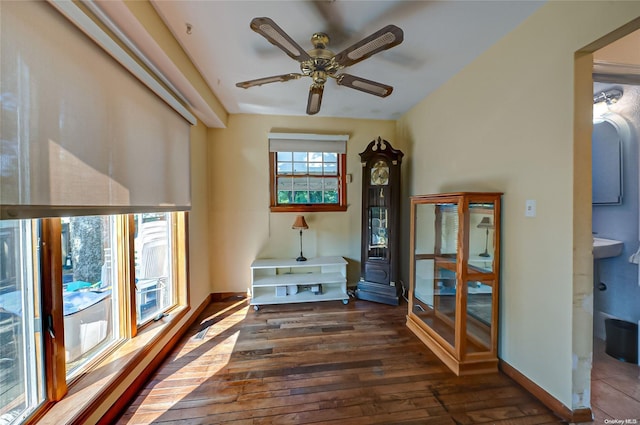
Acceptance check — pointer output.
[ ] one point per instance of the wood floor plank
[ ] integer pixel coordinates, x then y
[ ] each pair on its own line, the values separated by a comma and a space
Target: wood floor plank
320, 363
614, 402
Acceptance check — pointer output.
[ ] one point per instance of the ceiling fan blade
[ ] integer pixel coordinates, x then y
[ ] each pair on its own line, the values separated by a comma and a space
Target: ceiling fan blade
315, 99
333, 22
276, 36
267, 80
383, 39
362, 84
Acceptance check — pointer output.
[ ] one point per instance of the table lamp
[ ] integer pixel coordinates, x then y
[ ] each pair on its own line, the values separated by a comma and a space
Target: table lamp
300, 223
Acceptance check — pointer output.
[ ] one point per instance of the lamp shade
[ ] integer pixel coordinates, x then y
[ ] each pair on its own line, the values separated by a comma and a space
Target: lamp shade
300, 223
485, 223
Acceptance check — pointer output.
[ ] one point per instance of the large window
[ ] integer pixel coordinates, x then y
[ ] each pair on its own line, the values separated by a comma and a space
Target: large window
97, 280
308, 172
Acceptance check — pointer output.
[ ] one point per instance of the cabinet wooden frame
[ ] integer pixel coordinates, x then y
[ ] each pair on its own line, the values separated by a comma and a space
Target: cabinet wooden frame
466, 344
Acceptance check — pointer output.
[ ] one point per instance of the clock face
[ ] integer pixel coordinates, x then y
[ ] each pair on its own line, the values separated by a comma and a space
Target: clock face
380, 173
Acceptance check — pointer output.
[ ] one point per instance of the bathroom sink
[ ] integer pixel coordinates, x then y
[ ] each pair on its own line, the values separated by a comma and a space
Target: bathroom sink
605, 248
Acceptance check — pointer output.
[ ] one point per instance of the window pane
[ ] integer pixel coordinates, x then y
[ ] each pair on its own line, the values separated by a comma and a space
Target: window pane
90, 289
330, 157
331, 197
301, 197
315, 197
285, 183
301, 183
315, 183
315, 168
285, 197
300, 168
285, 167
300, 156
21, 375
315, 156
284, 156
330, 169
154, 277
331, 184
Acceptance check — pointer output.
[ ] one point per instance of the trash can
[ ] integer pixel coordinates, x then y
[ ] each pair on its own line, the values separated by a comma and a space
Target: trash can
621, 340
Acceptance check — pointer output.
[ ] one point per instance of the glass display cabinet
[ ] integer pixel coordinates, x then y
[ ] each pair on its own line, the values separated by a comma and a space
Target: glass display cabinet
454, 278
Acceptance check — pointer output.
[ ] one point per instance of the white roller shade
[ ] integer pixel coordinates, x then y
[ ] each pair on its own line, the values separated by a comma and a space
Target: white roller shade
78, 133
302, 142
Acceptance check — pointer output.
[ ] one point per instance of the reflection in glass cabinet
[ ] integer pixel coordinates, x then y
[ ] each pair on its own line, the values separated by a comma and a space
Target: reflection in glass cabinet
454, 277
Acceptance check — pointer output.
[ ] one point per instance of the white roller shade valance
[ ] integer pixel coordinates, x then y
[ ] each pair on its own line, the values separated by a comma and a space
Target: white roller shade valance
302, 142
78, 133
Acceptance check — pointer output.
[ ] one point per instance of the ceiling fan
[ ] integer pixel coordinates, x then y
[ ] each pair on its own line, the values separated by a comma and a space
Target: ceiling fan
321, 63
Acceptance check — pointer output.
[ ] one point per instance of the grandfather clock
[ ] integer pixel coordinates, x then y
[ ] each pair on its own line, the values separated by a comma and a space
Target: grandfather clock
380, 223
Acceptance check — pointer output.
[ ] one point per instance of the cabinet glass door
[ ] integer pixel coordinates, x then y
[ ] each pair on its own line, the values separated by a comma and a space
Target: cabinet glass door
479, 314
479, 291
434, 293
481, 236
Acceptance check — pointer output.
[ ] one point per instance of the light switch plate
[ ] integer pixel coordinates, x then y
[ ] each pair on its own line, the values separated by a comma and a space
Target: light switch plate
530, 208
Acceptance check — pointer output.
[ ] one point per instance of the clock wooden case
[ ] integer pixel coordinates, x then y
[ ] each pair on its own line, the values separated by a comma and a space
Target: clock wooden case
380, 223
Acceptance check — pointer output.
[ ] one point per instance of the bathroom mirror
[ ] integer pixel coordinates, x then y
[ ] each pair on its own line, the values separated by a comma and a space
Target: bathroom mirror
607, 163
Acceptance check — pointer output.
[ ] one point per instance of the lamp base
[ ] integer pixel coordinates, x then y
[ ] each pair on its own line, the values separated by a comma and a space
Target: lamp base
301, 258
484, 254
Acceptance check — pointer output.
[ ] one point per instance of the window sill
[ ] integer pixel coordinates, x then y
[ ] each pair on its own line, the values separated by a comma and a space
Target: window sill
89, 392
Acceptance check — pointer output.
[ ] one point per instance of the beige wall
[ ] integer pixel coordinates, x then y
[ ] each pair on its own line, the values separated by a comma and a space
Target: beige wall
199, 271
241, 227
506, 123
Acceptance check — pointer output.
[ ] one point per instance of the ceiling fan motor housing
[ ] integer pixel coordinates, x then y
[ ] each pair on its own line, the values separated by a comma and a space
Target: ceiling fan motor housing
322, 63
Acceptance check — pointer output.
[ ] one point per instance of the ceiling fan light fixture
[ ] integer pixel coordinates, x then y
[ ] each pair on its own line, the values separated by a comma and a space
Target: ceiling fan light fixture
319, 77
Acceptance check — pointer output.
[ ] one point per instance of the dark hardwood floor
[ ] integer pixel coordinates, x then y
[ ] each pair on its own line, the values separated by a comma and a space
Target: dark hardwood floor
321, 363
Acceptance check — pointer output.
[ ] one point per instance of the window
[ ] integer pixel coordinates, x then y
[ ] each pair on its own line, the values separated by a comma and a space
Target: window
86, 282
307, 172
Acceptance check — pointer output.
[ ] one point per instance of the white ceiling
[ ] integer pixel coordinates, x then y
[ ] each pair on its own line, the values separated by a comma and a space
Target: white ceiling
440, 38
